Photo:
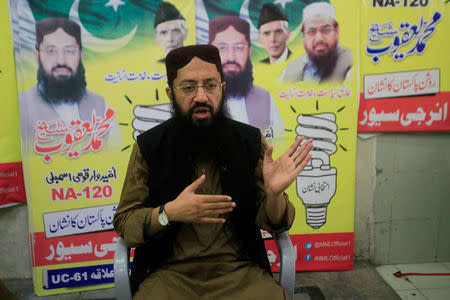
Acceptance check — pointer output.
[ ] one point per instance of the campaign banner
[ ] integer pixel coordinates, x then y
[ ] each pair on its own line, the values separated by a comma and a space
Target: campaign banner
87, 73
405, 82
295, 77
12, 189
304, 68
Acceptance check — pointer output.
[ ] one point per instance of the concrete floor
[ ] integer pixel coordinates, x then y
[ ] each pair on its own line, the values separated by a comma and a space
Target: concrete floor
363, 282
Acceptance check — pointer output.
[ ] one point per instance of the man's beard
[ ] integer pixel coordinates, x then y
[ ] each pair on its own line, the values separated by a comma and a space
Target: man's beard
200, 133
64, 89
197, 124
239, 84
325, 64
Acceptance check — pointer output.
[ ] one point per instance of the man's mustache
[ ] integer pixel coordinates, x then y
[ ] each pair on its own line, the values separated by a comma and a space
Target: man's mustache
320, 43
231, 63
62, 67
200, 105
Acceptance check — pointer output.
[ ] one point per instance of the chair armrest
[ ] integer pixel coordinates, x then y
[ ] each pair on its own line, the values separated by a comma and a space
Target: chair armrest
287, 262
121, 275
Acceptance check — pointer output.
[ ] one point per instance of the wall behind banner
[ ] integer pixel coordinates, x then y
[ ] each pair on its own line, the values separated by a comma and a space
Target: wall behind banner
405, 87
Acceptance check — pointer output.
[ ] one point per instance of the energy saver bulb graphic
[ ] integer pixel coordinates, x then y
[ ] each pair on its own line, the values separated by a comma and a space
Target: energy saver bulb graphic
316, 184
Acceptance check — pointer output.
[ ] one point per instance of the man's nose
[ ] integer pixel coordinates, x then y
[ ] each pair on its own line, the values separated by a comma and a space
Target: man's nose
318, 36
229, 55
60, 58
200, 95
272, 37
172, 36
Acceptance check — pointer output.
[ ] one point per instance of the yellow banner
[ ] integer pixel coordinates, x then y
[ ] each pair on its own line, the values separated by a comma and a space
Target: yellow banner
77, 137
12, 189
405, 76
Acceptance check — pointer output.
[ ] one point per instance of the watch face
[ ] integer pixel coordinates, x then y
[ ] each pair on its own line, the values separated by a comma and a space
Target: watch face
162, 218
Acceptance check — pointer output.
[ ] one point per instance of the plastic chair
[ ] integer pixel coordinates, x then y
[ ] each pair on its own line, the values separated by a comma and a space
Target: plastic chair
285, 249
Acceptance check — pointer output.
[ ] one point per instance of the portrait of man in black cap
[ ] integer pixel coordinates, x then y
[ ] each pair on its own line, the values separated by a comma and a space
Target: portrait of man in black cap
245, 101
273, 33
170, 27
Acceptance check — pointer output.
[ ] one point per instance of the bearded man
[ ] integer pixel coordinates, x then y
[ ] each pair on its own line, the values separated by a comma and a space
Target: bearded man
325, 60
245, 101
198, 189
60, 95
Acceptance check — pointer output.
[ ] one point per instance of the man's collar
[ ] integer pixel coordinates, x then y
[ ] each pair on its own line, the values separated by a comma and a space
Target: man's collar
282, 58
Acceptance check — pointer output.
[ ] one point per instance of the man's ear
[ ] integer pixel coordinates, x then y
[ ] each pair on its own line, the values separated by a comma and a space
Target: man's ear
169, 92
36, 56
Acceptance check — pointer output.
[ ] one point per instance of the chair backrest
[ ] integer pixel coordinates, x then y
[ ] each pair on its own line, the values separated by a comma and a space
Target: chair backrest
285, 249
121, 271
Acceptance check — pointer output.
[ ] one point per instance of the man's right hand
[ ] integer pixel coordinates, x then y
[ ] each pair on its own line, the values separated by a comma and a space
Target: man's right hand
190, 207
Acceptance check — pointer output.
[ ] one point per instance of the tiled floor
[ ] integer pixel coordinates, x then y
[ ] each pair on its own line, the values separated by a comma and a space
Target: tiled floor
429, 287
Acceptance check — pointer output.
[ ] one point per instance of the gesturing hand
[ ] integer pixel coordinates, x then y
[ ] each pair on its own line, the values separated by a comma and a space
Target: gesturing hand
190, 207
279, 174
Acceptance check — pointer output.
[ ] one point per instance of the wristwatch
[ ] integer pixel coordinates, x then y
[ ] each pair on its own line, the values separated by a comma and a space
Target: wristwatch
162, 217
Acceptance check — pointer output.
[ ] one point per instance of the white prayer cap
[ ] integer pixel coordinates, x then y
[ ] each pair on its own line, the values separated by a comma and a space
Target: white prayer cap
319, 9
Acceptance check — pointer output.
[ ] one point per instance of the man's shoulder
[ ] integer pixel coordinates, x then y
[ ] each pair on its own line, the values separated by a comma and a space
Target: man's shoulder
33, 100
93, 96
243, 129
239, 125
246, 134
344, 53
31, 92
257, 90
297, 61
294, 70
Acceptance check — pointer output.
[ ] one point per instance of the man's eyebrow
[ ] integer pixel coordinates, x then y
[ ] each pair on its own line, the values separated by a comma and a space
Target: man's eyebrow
210, 79
190, 81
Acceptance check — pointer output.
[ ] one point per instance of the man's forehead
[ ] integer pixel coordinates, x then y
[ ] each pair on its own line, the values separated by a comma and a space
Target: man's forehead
169, 24
318, 21
278, 24
230, 36
59, 37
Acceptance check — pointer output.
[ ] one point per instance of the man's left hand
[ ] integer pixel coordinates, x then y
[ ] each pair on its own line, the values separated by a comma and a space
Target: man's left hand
279, 174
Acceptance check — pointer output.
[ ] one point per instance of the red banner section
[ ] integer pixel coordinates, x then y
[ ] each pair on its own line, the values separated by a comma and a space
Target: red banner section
74, 248
317, 252
12, 188
419, 113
